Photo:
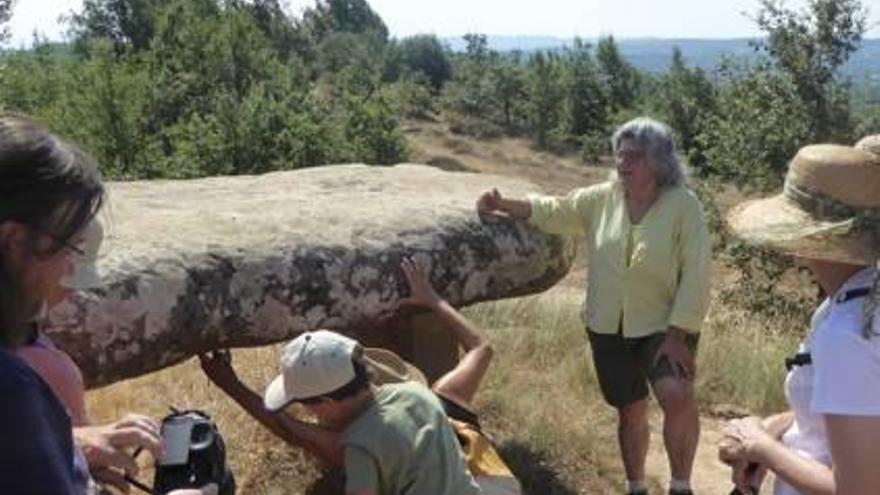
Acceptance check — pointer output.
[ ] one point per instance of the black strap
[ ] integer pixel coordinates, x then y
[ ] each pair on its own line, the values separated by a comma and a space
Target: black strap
799, 359
853, 294
804, 358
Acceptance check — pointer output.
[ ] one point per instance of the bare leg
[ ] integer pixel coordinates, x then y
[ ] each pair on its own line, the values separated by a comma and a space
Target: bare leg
461, 383
681, 424
634, 436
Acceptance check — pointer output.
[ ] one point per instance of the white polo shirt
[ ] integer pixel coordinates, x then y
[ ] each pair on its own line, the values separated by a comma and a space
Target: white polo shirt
843, 377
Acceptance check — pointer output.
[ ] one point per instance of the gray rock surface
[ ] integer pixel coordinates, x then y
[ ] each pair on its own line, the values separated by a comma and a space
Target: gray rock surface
870, 143
202, 264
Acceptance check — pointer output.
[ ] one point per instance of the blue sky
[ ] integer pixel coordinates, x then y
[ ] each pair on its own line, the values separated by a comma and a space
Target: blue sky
562, 18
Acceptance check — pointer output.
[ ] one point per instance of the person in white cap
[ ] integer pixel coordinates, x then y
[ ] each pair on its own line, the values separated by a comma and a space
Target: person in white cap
828, 218
377, 418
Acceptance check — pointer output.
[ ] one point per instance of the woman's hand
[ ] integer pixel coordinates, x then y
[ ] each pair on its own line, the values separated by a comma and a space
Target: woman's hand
745, 439
217, 365
742, 447
421, 292
109, 449
680, 357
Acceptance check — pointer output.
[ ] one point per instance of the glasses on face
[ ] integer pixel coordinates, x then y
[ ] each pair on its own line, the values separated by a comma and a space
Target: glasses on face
72, 248
629, 155
61, 244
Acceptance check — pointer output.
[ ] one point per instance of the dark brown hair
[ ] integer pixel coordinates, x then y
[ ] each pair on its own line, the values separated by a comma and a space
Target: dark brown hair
49, 186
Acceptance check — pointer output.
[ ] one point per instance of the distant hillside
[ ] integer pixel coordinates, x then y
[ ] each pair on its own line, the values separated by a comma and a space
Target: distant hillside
653, 54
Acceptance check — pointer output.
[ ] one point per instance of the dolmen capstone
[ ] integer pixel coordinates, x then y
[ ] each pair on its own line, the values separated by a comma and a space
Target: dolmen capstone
196, 265
870, 143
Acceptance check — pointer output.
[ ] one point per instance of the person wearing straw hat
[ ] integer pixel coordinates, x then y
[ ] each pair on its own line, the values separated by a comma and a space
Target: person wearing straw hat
377, 417
648, 261
828, 218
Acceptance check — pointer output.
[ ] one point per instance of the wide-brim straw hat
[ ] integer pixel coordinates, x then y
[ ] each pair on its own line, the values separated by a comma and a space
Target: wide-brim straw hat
829, 208
387, 367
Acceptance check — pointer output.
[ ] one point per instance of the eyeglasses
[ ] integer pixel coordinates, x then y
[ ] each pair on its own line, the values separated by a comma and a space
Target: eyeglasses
71, 247
629, 155
61, 243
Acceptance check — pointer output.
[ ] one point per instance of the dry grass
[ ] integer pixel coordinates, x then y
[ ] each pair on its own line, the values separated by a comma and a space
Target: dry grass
262, 464
503, 156
540, 399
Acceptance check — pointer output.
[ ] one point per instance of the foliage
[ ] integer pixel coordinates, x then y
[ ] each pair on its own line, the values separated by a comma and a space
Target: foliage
588, 104
545, 95
507, 76
5, 15
412, 97
811, 47
620, 77
343, 16
180, 88
759, 124
280, 31
125, 23
594, 146
866, 108
469, 93
685, 99
758, 291
421, 55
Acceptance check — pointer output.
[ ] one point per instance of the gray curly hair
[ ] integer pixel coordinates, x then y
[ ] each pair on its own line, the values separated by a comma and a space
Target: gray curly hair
656, 140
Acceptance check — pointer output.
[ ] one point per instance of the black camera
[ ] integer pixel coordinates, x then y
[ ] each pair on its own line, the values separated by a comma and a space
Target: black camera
195, 454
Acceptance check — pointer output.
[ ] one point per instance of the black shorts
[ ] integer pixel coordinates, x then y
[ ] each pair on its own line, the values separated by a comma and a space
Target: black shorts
458, 412
624, 366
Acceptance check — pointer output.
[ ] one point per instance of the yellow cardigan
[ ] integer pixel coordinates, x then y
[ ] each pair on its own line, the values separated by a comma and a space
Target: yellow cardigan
653, 275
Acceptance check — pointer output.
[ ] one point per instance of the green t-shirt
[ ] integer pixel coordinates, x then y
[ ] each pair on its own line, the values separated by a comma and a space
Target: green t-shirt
403, 444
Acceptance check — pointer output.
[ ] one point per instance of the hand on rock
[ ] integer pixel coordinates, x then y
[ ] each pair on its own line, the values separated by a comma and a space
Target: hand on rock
217, 365
421, 292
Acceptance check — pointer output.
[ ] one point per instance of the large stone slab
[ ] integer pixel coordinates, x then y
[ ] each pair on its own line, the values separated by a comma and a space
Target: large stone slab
201, 264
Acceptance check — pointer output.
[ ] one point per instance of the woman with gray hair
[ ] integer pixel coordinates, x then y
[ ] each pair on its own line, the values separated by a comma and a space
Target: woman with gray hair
648, 255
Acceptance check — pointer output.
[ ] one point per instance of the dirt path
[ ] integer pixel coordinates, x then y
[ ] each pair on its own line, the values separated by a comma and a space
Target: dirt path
710, 476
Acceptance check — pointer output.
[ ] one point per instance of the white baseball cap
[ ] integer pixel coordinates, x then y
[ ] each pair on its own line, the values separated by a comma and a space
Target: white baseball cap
85, 273
313, 364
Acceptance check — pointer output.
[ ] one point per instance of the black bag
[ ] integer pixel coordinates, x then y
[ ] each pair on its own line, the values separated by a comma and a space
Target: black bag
195, 454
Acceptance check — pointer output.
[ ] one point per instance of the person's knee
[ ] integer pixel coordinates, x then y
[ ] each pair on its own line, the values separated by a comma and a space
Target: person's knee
675, 396
634, 414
